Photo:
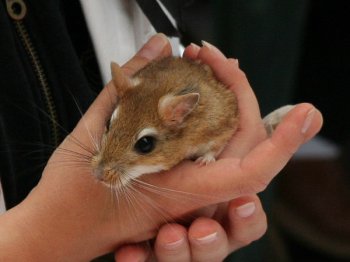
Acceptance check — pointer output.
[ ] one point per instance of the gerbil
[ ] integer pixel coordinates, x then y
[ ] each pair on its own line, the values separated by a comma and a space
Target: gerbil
172, 109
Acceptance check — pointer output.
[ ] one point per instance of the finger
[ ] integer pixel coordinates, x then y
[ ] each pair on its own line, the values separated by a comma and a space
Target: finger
171, 244
228, 72
95, 118
297, 127
132, 253
250, 130
269, 157
208, 240
266, 160
191, 51
250, 175
157, 47
246, 221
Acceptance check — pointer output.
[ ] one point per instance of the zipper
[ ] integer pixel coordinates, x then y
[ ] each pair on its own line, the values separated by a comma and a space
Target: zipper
17, 11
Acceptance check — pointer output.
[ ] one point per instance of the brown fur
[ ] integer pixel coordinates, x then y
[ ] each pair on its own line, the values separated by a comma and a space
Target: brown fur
207, 126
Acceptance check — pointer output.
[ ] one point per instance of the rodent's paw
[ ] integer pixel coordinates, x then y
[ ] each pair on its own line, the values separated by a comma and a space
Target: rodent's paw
206, 159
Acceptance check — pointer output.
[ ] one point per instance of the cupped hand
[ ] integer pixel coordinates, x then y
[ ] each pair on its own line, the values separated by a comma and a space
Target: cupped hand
242, 220
87, 221
206, 239
69, 214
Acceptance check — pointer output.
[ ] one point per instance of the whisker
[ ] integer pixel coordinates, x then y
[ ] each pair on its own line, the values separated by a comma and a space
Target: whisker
172, 193
130, 200
94, 143
67, 133
150, 201
69, 152
144, 201
70, 163
80, 144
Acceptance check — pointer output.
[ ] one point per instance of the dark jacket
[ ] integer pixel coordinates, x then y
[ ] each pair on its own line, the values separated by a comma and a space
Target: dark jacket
48, 75
43, 83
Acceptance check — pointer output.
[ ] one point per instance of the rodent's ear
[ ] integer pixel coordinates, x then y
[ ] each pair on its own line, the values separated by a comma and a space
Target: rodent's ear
173, 109
120, 80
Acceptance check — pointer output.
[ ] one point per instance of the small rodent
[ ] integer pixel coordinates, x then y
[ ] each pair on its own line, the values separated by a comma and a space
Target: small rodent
170, 110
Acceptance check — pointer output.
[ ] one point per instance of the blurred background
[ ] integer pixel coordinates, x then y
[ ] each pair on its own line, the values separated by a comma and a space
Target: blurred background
294, 51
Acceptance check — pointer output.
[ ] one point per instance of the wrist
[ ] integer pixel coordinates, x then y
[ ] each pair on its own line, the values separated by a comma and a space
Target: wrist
15, 237
42, 228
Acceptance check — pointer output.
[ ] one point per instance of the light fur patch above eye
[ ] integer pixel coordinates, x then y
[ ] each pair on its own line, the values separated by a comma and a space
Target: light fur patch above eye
164, 101
150, 131
136, 81
115, 114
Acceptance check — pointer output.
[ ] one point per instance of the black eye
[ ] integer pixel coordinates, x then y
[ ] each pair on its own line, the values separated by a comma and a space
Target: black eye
145, 144
108, 124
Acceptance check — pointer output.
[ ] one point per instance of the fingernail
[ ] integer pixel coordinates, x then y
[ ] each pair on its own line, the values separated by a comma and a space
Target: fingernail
212, 48
194, 46
308, 120
153, 48
235, 61
175, 244
207, 239
246, 210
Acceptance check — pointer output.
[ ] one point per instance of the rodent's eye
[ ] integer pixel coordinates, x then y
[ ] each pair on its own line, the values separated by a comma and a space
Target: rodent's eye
108, 125
145, 144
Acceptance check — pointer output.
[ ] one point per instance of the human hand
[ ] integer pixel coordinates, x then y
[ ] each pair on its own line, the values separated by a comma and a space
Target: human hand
69, 215
137, 225
206, 239
209, 239
227, 231
69, 204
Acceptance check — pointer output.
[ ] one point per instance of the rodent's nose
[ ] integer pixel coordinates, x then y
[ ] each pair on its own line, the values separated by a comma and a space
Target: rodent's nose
108, 176
104, 173
98, 173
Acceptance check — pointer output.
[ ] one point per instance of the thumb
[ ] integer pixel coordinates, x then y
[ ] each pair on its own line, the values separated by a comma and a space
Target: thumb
230, 178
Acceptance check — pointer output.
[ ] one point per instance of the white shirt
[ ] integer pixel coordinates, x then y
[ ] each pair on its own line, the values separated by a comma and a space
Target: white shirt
118, 29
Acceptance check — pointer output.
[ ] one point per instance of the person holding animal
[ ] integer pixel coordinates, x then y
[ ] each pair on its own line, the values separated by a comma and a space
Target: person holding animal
71, 216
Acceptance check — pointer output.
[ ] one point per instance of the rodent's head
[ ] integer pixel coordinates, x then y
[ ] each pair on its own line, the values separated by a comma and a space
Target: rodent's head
142, 133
